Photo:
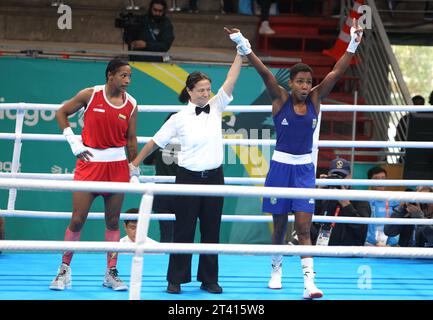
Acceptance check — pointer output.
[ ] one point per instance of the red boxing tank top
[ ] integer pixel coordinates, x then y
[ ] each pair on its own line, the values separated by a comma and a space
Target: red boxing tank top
106, 125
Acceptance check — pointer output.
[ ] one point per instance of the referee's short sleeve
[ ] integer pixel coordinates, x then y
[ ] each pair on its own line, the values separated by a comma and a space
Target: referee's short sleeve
166, 133
221, 100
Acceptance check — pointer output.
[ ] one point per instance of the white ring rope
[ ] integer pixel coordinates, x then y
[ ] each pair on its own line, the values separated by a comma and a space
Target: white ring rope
250, 142
213, 248
235, 108
225, 218
238, 180
214, 190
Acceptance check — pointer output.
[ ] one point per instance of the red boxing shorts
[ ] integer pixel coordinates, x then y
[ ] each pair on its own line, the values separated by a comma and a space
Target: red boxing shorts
113, 171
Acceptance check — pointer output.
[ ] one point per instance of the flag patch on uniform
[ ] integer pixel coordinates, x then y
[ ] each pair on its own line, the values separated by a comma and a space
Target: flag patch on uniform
121, 116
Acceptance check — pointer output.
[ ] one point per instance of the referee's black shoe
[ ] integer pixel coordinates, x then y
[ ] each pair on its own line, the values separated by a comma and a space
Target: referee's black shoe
173, 288
211, 287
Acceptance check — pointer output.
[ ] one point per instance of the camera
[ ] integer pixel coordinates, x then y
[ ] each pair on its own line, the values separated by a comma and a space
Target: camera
131, 24
128, 20
334, 176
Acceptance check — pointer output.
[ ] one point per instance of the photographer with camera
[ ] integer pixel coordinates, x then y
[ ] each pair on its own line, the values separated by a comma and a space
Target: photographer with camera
340, 234
413, 235
151, 32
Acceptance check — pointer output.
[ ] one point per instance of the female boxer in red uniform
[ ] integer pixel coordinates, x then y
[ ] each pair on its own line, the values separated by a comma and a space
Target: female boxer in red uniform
110, 116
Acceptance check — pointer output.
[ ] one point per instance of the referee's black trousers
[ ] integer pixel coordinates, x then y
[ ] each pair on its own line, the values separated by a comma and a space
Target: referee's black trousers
187, 209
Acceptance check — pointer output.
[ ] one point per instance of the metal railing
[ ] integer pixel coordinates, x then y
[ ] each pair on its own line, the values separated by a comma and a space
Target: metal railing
380, 75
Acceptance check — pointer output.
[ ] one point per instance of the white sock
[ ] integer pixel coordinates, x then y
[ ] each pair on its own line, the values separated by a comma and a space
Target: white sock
307, 265
277, 261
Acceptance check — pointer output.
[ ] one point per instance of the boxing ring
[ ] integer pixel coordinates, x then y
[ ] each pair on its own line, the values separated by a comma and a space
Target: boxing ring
343, 272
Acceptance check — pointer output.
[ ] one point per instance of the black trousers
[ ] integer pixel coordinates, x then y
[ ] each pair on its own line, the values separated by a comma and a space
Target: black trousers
187, 209
165, 204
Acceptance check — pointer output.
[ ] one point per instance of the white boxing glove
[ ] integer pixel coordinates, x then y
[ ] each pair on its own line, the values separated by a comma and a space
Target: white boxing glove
353, 44
236, 37
134, 179
134, 173
243, 46
77, 146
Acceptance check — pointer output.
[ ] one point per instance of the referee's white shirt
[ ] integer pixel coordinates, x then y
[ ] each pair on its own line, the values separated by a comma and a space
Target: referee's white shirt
200, 136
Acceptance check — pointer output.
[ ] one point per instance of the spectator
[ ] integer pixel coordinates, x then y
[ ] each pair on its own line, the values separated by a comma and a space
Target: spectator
193, 6
379, 209
430, 98
403, 124
228, 6
264, 28
340, 234
428, 16
165, 161
418, 100
130, 227
411, 235
401, 130
154, 33
175, 6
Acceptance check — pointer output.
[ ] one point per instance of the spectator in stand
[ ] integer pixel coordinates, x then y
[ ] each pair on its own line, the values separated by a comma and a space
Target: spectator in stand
379, 209
228, 6
428, 16
175, 6
430, 98
264, 28
193, 6
155, 32
340, 234
413, 235
403, 124
401, 130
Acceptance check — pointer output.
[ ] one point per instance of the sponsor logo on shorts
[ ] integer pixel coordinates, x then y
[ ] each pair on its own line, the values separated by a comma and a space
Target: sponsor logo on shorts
311, 201
122, 116
273, 200
314, 123
284, 122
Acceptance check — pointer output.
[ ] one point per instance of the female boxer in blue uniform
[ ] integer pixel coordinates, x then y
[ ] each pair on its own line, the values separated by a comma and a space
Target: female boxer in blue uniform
295, 118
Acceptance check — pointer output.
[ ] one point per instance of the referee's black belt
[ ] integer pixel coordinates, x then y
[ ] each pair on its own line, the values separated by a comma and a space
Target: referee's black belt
202, 174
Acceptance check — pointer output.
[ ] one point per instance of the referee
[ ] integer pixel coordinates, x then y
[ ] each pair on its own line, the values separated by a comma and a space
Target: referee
198, 128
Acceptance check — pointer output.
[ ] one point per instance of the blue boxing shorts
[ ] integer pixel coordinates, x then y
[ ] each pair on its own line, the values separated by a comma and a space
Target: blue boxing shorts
285, 175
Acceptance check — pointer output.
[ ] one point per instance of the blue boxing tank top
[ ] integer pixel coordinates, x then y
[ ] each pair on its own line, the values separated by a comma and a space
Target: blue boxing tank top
295, 132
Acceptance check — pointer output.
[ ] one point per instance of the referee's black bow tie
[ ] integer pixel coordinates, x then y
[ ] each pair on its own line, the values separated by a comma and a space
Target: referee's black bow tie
199, 110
